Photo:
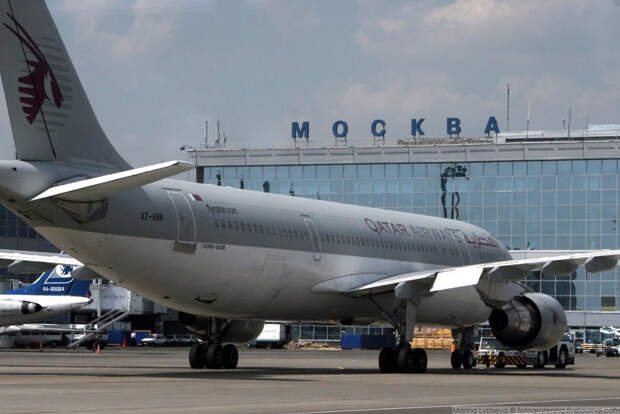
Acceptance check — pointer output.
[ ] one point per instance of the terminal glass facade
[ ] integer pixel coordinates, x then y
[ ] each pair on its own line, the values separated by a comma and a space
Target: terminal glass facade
569, 205
15, 234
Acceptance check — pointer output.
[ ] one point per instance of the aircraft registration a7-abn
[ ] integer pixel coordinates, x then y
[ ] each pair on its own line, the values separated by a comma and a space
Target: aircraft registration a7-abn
229, 259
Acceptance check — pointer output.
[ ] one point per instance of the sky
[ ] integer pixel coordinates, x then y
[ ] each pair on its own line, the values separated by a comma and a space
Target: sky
155, 70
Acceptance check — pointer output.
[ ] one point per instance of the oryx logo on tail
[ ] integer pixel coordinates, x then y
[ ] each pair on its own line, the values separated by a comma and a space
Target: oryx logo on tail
37, 86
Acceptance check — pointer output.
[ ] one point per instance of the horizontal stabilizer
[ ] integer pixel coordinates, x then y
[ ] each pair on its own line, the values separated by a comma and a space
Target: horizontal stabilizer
102, 187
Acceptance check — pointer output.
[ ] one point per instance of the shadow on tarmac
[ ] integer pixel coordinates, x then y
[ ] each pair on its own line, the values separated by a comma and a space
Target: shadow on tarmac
272, 373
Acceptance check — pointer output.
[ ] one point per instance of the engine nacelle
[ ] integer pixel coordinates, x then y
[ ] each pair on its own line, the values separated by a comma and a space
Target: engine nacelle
233, 331
18, 307
530, 321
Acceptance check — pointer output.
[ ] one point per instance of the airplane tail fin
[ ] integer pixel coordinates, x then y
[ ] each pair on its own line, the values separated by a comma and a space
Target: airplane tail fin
55, 282
50, 115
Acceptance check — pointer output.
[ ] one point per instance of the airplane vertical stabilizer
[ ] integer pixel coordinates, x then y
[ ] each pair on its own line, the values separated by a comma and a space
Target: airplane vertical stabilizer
55, 282
50, 115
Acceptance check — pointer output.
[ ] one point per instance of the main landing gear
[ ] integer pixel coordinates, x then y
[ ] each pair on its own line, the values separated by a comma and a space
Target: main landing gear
463, 355
402, 358
213, 355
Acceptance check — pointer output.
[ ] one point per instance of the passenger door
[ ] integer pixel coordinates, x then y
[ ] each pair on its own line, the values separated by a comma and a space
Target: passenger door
314, 238
186, 223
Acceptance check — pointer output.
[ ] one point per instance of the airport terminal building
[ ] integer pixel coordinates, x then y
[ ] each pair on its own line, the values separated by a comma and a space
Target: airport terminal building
531, 195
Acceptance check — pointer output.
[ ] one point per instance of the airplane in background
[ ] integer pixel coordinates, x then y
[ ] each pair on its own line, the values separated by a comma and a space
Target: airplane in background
53, 293
229, 259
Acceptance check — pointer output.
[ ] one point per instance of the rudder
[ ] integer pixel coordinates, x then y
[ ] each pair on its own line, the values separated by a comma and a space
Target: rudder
51, 117
55, 282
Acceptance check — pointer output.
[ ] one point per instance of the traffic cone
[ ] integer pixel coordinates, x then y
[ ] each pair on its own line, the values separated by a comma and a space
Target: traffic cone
124, 344
453, 347
98, 349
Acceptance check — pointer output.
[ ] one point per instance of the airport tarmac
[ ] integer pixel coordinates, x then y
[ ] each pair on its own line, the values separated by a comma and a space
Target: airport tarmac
133, 380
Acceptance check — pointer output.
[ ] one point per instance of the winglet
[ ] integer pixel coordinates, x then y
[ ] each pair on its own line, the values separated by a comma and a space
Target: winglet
102, 187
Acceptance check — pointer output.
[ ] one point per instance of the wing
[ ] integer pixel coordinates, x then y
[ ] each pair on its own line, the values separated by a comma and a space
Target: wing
439, 279
24, 262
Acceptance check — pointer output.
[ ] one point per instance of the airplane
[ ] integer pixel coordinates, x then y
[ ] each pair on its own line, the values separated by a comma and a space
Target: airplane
229, 259
53, 293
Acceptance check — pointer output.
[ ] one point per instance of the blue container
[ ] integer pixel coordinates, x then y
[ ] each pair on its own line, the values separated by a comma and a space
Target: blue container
351, 341
378, 341
115, 337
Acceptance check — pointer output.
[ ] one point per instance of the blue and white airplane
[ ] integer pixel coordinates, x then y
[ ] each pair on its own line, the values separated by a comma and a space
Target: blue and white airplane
54, 292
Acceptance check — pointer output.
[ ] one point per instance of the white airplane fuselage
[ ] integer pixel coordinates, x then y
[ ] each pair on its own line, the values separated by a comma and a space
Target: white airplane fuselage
11, 307
251, 255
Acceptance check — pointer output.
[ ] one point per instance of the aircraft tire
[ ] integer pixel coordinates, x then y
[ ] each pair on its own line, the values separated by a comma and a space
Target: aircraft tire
540, 360
562, 358
387, 360
231, 356
420, 360
215, 356
404, 359
197, 356
456, 359
468, 360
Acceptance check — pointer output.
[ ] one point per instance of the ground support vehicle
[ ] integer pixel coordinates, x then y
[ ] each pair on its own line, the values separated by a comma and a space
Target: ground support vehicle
492, 352
593, 348
273, 335
154, 340
612, 347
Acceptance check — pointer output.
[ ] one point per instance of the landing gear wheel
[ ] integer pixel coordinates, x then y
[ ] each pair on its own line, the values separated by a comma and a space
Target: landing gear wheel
456, 359
215, 356
419, 360
468, 360
231, 356
540, 360
197, 356
404, 359
387, 360
562, 359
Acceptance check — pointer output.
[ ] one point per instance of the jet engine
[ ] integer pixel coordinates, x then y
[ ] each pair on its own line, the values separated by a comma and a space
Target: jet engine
18, 307
530, 321
231, 331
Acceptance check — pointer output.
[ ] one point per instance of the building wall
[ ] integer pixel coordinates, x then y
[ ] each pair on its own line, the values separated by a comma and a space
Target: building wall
16, 235
539, 204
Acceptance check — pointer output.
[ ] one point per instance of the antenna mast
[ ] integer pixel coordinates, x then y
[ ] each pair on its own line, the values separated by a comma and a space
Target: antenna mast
508, 107
569, 119
206, 134
527, 125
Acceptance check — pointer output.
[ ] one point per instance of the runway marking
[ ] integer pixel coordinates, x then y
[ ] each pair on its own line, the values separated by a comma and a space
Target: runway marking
422, 407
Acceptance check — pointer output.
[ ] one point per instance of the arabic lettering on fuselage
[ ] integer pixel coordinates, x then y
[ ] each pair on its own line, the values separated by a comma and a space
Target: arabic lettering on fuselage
399, 229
